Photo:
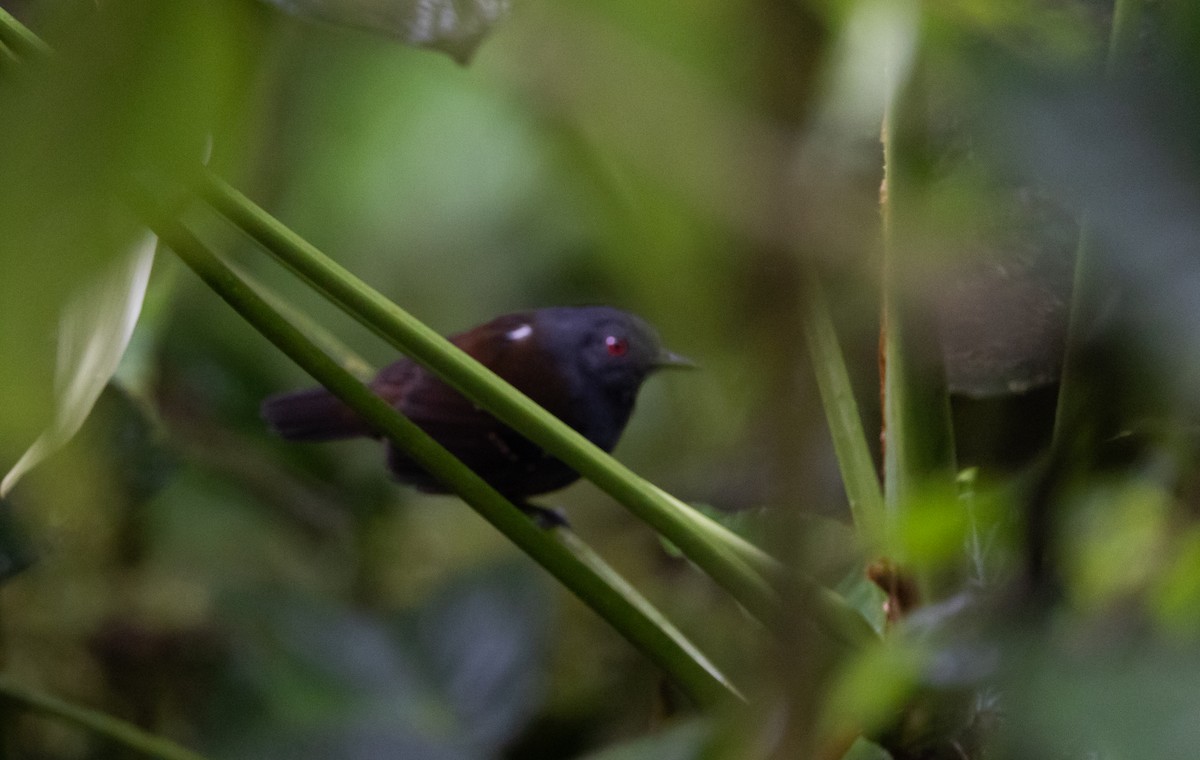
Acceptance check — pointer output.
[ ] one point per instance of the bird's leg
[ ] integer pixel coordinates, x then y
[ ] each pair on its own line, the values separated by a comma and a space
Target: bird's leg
545, 517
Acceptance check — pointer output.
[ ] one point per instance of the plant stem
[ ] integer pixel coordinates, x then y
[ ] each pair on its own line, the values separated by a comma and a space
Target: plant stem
845, 426
619, 605
346, 357
17, 38
115, 729
918, 435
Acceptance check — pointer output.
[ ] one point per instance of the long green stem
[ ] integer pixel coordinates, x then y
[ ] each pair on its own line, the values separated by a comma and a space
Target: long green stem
347, 358
738, 566
845, 425
889, 365
125, 734
619, 605
22, 42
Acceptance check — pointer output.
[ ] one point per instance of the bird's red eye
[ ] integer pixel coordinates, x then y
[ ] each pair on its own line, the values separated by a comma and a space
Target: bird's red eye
616, 346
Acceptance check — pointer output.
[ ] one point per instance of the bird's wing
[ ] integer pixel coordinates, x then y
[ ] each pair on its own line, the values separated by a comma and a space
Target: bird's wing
455, 421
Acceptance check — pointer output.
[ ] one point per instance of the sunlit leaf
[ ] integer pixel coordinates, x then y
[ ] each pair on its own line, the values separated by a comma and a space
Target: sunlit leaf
872, 691
1119, 537
93, 334
1176, 592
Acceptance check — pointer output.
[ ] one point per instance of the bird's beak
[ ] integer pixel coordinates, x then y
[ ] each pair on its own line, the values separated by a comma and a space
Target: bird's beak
671, 360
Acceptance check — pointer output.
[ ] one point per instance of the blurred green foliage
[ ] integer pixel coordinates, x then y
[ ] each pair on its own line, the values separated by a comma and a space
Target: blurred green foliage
78, 126
694, 163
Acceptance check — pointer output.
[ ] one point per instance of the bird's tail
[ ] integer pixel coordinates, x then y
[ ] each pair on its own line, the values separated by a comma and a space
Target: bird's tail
312, 415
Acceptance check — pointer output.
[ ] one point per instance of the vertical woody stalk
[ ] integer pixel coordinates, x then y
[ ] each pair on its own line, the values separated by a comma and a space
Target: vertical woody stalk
918, 439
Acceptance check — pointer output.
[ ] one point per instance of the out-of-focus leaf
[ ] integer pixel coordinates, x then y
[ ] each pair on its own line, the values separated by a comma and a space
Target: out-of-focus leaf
93, 333
484, 640
131, 443
870, 64
1124, 152
922, 694
1119, 538
865, 750
455, 678
130, 86
367, 742
455, 27
1176, 593
16, 552
934, 528
685, 741
940, 528
1090, 696
872, 690
1002, 309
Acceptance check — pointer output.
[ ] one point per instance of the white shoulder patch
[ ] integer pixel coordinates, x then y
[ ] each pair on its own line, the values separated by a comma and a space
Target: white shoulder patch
519, 333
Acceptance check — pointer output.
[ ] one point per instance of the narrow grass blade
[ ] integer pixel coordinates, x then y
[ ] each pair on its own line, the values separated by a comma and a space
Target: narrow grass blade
859, 476
116, 730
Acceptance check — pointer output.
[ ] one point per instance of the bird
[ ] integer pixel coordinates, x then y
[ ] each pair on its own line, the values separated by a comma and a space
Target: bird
584, 364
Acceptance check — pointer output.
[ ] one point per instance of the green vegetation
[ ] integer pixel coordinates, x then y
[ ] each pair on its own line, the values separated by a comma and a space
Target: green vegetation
933, 494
